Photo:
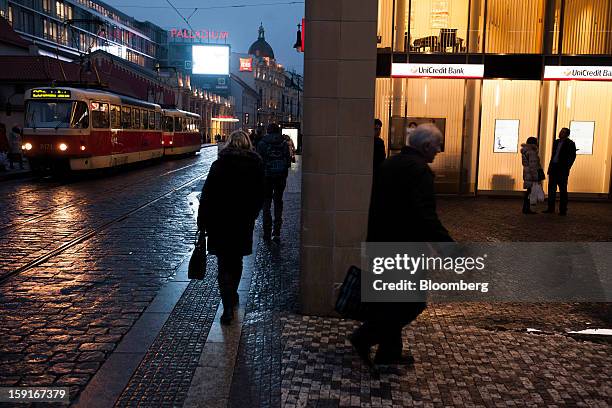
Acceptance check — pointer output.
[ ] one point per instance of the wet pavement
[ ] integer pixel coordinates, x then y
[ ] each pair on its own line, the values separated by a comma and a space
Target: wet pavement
113, 316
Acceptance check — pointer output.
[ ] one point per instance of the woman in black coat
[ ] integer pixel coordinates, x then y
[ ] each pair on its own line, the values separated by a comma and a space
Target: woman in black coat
231, 200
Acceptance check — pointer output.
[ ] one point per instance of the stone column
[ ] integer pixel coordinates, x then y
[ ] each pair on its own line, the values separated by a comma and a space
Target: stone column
339, 87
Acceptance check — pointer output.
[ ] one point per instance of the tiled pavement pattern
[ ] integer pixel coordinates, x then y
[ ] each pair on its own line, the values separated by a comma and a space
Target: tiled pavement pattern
61, 319
468, 354
164, 376
273, 292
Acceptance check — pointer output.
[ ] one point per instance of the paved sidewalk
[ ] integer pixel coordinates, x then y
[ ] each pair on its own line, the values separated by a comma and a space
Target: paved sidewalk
467, 354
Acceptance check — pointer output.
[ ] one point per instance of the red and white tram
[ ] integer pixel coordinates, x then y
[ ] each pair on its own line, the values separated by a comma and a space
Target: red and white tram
181, 132
82, 129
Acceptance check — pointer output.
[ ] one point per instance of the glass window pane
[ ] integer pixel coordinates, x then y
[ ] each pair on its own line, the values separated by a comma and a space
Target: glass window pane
145, 119
115, 117
152, 120
80, 116
514, 27
437, 25
99, 115
136, 117
126, 117
587, 27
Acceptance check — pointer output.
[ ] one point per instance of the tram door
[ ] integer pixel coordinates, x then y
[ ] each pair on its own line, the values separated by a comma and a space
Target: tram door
115, 147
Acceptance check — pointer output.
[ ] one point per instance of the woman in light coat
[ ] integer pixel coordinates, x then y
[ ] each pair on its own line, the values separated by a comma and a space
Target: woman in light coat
531, 170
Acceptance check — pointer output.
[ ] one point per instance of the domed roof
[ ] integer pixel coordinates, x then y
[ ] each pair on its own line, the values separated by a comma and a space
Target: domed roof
261, 48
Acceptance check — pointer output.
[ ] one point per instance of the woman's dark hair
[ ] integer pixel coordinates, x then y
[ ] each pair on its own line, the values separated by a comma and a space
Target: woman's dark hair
377, 122
532, 140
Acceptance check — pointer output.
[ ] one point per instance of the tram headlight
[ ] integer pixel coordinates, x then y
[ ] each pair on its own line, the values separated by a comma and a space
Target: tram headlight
83, 148
63, 147
27, 146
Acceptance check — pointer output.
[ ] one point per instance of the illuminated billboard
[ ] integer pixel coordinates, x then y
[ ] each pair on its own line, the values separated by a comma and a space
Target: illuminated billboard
210, 60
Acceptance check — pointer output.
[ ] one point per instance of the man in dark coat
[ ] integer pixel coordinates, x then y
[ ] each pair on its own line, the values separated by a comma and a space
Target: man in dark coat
563, 157
231, 200
380, 152
402, 209
276, 155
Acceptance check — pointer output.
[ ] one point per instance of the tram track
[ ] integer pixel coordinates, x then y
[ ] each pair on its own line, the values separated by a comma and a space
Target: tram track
6, 228
91, 232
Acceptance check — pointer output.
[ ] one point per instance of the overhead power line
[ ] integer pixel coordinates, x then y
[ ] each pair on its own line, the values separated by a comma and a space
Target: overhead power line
285, 3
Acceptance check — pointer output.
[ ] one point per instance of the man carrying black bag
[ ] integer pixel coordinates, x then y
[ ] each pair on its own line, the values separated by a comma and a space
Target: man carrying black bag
402, 209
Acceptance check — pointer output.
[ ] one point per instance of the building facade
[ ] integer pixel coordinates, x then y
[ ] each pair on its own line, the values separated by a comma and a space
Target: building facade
488, 73
22, 67
246, 103
71, 28
279, 91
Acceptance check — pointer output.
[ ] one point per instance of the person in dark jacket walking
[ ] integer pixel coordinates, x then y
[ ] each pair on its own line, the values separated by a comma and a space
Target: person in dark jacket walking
380, 152
275, 153
231, 200
402, 209
563, 157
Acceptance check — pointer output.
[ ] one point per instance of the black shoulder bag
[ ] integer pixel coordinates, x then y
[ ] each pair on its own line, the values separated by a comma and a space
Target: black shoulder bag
197, 263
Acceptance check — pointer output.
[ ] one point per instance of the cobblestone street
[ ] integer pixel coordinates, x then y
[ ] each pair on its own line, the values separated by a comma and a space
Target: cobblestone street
95, 297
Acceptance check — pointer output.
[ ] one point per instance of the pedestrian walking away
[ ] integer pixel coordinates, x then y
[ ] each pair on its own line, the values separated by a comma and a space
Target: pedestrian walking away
532, 171
402, 209
231, 200
14, 154
276, 156
563, 157
291, 147
380, 152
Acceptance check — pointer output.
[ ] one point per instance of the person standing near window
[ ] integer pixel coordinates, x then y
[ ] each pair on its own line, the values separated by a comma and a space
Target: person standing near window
563, 157
531, 170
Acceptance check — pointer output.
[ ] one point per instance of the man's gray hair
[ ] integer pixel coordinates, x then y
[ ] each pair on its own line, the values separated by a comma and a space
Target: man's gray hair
425, 133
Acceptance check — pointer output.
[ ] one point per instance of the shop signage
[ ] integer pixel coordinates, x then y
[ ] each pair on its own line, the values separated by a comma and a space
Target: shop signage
198, 34
584, 73
460, 71
246, 64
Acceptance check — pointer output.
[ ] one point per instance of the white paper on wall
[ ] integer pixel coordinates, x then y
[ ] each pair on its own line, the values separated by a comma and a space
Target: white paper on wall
582, 133
506, 136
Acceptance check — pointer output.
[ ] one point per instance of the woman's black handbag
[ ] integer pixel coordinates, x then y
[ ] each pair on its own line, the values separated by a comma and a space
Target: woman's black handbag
541, 175
349, 304
197, 263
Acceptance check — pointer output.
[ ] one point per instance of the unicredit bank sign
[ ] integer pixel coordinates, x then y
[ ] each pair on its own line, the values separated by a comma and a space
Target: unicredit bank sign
584, 73
461, 71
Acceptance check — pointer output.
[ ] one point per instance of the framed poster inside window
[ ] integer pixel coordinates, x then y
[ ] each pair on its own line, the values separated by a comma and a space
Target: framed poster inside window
583, 133
506, 136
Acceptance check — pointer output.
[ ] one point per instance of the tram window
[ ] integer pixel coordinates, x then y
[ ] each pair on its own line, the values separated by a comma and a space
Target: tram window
126, 117
168, 124
79, 119
157, 120
99, 115
152, 120
115, 117
145, 119
177, 124
136, 118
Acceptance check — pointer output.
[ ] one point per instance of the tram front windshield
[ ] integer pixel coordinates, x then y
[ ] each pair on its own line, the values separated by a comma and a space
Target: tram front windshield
57, 114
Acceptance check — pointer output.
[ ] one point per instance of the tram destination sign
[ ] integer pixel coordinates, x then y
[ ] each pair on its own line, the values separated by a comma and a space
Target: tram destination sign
50, 94
459, 71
